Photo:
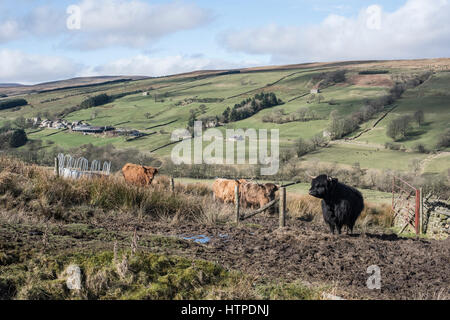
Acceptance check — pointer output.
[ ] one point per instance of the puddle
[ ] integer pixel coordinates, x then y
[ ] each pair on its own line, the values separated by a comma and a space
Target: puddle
205, 239
199, 239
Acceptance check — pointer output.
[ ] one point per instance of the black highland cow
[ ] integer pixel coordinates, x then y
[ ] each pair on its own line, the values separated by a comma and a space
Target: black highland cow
341, 204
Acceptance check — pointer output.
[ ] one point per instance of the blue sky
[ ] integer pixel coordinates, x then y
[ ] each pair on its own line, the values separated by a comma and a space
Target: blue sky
155, 38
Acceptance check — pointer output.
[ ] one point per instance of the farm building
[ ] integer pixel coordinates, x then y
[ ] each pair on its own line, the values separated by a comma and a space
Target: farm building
91, 129
57, 124
36, 121
211, 124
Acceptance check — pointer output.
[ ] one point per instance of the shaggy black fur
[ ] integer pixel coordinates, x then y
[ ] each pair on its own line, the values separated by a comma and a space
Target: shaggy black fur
341, 204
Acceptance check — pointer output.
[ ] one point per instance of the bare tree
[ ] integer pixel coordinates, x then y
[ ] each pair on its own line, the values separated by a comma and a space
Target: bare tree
419, 117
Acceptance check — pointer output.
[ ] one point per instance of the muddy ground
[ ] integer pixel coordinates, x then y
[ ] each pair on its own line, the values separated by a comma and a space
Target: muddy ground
410, 268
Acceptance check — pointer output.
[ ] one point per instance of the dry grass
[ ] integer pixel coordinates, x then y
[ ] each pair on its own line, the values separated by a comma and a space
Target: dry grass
309, 209
33, 191
41, 192
304, 207
433, 295
376, 215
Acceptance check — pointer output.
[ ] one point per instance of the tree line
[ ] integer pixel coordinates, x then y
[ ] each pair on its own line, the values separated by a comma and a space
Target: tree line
243, 110
305, 146
342, 126
399, 127
12, 103
250, 106
329, 78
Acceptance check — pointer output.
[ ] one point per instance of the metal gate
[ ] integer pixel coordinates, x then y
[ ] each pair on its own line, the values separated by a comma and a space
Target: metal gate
406, 204
68, 167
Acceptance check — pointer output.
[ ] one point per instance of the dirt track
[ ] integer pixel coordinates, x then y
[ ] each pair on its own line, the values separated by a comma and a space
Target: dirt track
410, 268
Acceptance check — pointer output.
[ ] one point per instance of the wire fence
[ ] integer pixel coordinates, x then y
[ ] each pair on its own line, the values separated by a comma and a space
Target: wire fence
67, 166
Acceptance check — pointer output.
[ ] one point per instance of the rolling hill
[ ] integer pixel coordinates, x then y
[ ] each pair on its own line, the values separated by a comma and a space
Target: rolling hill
170, 100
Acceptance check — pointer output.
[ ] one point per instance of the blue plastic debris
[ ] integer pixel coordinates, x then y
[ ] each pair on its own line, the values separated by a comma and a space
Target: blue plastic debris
199, 239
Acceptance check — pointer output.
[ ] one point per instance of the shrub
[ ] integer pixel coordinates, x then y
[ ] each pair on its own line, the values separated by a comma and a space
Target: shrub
18, 138
444, 140
436, 185
420, 148
398, 128
419, 117
303, 147
392, 146
12, 138
329, 78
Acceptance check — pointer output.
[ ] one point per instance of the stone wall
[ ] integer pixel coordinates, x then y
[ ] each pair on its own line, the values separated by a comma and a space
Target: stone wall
436, 218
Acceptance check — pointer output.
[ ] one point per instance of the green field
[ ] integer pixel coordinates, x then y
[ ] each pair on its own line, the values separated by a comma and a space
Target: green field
367, 157
163, 106
438, 165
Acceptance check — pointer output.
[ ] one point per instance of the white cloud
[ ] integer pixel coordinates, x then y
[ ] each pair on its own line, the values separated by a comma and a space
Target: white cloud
9, 30
420, 28
40, 21
44, 21
107, 23
21, 67
160, 66
133, 23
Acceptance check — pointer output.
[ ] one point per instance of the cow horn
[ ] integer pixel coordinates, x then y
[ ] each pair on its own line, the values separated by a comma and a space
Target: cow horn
309, 175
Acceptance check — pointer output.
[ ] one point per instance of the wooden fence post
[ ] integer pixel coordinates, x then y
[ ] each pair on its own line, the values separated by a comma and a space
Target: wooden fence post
172, 185
57, 167
421, 210
417, 212
236, 198
282, 209
393, 190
